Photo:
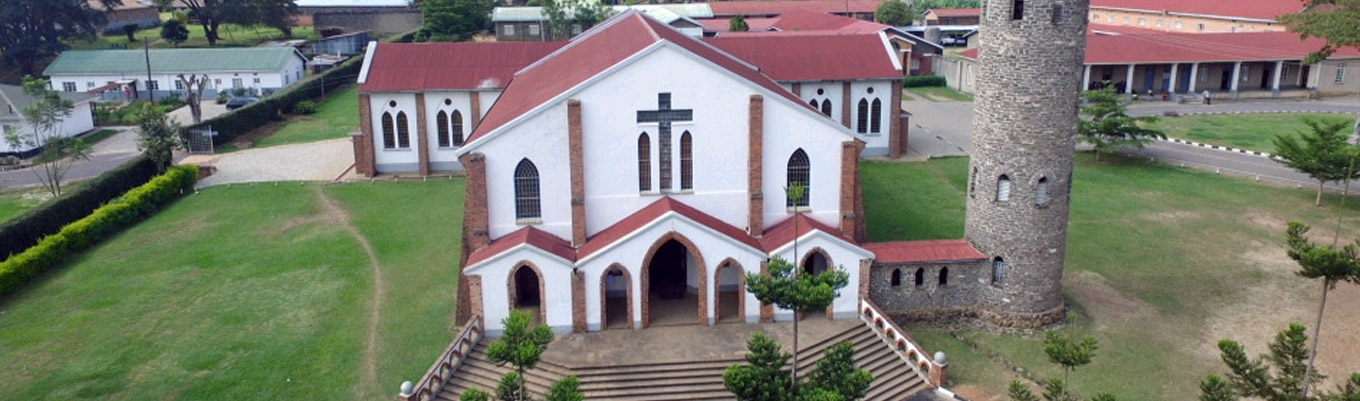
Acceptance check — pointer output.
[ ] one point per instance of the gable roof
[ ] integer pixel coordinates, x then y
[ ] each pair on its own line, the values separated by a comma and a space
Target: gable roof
462, 65
173, 60
657, 210
828, 56
597, 51
783, 232
1265, 10
924, 251
525, 236
777, 7
805, 20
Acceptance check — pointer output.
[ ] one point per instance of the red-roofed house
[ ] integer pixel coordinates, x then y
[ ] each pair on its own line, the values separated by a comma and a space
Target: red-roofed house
953, 16
1195, 16
857, 9
914, 53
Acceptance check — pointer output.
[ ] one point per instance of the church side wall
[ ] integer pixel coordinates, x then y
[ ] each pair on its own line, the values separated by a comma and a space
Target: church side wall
555, 279
823, 150
396, 160
443, 158
543, 140
959, 296
842, 257
876, 143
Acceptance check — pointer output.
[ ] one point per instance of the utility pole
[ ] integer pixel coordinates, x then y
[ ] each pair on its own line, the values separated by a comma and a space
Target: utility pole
146, 50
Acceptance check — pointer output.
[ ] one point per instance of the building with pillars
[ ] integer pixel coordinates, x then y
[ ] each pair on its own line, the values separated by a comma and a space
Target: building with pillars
1228, 65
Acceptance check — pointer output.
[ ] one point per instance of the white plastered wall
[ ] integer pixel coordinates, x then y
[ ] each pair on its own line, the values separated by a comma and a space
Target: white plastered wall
555, 279
543, 140
396, 160
79, 121
460, 101
842, 255
824, 154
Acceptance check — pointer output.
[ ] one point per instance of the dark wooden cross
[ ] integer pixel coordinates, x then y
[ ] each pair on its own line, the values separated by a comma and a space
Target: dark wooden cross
664, 116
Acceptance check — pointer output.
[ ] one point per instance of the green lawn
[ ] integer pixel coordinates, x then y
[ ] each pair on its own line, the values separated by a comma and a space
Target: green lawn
1244, 131
16, 202
248, 292
98, 136
231, 35
940, 94
336, 117
1162, 262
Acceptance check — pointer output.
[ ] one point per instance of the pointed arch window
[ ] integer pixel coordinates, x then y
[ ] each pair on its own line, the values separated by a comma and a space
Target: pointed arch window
876, 117
863, 117
944, 276
815, 104
920, 277
799, 174
1041, 192
896, 277
1003, 188
686, 161
403, 131
826, 108
526, 191
389, 136
998, 270
457, 128
441, 121
644, 156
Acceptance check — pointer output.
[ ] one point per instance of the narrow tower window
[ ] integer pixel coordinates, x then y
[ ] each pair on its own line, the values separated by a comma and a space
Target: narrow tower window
944, 276
876, 117
998, 270
1041, 192
1003, 188
403, 131
826, 108
1018, 10
441, 122
644, 162
896, 277
526, 191
1058, 14
920, 278
863, 118
799, 174
457, 128
389, 137
686, 161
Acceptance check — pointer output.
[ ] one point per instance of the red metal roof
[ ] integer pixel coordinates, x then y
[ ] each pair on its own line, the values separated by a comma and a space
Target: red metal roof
731, 8
725, 25
924, 251
527, 235
828, 56
1165, 47
956, 12
804, 20
654, 211
783, 232
465, 65
1255, 9
595, 51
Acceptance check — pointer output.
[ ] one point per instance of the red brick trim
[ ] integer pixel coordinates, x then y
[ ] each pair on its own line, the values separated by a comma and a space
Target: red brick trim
729, 263
578, 301
476, 113
604, 298
578, 175
511, 291
766, 310
422, 136
475, 218
363, 143
698, 263
849, 186
755, 166
475, 295
897, 142
845, 104
865, 267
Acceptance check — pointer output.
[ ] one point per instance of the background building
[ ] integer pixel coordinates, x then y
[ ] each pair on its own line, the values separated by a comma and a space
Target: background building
381, 16
12, 102
141, 13
260, 70
1195, 16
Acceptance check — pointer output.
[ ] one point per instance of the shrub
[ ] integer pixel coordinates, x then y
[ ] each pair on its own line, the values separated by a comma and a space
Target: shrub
305, 107
27, 229
923, 81
107, 220
223, 97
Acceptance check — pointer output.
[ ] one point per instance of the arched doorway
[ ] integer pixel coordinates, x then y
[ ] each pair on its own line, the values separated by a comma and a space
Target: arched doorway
729, 288
673, 284
616, 298
816, 262
526, 291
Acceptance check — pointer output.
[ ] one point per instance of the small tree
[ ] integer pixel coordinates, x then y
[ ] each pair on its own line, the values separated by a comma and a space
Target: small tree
567, 389
1329, 263
765, 376
836, 374
159, 137
895, 13
1108, 126
1255, 378
738, 24
131, 31
1321, 152
563, 15
1070, 353
44, 116
174, 32
519, 346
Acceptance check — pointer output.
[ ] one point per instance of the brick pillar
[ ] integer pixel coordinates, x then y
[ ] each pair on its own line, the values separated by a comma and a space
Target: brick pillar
766, 310
578, 175
865, 267
703, 294
578, 301
755, 166
422, 136
798, 89
475, 217
363, 143
845, 104
938, 374
897, 142
475, 296
476, 112
849, 187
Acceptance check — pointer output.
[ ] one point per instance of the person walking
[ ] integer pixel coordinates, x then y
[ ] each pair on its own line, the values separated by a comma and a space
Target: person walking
1207, 100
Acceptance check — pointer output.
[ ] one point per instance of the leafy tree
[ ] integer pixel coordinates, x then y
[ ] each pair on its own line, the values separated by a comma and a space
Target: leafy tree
563, 15
836, 374
159, 136
1331, 20
567, 389
1109, 127
1329, 263
520, 346
453, 20
764, 377
213, 13
895, 13
174, 32
193, 89
738, 24
1070, 353
131, 31
32, 30
1321, 152
45, 115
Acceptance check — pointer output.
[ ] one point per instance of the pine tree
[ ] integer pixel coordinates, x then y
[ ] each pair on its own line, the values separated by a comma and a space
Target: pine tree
1321, 152
1108, 127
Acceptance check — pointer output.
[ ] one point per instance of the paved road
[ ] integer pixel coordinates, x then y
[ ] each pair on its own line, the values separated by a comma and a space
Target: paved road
108, 154
314, 161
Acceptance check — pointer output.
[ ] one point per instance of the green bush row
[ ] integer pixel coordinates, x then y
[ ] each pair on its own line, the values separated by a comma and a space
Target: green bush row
923, 81
27, 229
136, 204
271, 108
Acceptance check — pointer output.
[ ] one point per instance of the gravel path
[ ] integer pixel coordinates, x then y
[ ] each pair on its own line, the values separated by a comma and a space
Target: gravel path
314, 161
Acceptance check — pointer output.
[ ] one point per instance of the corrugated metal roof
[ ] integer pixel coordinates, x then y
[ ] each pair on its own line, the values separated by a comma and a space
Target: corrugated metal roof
924, 251
172, 60
1122, 45
811, 57
1255, 9
463, 65
776, 7
526, 14
956, 12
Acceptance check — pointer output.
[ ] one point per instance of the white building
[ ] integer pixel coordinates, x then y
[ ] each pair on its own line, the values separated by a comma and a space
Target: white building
12, 102
258, 70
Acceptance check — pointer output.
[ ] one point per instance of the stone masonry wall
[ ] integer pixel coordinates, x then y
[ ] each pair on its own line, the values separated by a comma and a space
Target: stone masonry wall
930, 300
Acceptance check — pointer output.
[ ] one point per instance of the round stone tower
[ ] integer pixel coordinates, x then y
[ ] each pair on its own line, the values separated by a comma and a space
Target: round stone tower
1024, 131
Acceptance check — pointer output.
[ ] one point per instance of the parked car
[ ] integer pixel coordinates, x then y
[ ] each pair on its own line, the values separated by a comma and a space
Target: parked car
239, 102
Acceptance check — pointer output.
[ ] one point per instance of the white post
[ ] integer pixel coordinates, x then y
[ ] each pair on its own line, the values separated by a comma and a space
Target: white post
1171, 85
1236, 76
1128, 81
1194, 77
1086, 78
1275, 84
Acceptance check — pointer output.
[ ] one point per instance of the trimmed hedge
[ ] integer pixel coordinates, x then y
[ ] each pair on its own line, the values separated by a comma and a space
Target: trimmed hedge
923, 81
271, 108
107, 220
27, 229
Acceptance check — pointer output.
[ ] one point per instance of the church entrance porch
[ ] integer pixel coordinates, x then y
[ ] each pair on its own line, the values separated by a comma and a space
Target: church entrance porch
672, 283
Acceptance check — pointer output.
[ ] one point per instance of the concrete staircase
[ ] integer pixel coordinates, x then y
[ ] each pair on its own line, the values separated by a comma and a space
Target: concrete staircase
894, 379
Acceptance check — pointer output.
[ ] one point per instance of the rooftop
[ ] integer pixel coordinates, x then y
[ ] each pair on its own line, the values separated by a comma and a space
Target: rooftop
1118, 45
956, 12
461, 65
776, 7
1265, 10
905, 252
659, 11
172, 60
813, 57
353, 3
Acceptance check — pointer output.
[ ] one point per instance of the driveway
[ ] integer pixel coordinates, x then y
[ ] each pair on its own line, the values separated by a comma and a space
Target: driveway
107, 154
210, 109
313, 161
940, 128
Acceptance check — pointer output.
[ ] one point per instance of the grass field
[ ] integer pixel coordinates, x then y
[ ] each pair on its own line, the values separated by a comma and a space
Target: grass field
230, 34
16, 202
1244, 131
1162, 262
261, 292
336, 117
939, 94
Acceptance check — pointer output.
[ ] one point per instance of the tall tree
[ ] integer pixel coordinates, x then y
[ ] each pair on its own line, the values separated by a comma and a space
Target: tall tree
32, 30
453, 20
895, 13
564, 16
1329, 263
1255, 378
1108, 126
212, 14
1331, 20
174, 32
158, 136
193, 93
1068, 352
44, 116
1320, 152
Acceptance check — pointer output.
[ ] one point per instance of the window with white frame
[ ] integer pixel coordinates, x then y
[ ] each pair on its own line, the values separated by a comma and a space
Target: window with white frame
237, 83
179, 85
257, 80
68, 86
89, 84
509, 30
998, 270
1341, 73
153, 85
533, 29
